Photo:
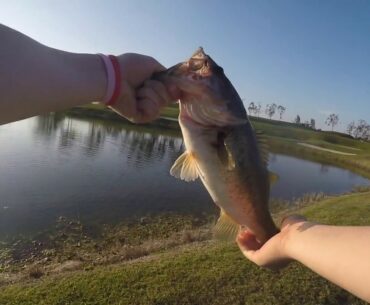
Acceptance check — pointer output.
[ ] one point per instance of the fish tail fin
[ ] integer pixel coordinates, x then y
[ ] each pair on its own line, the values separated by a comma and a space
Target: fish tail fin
226, 228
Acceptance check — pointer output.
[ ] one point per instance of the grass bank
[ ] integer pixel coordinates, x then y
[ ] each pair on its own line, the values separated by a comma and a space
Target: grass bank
283, 137
200, 273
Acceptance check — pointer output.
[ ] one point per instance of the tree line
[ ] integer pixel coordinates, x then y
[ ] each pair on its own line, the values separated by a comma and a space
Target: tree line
272, 109
359, 130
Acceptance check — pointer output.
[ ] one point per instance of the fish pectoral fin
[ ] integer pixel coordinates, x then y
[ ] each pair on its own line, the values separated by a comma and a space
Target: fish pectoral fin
226, 228
185, 167
224, 153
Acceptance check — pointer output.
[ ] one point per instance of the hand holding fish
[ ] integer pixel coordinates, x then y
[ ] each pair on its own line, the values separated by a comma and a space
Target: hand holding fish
37, 79
337, 253
272, 254
142, 98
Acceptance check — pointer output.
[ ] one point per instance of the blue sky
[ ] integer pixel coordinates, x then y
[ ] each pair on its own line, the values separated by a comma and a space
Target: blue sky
311, 56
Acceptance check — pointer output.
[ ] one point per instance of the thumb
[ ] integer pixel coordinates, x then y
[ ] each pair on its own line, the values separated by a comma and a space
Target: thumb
248, 243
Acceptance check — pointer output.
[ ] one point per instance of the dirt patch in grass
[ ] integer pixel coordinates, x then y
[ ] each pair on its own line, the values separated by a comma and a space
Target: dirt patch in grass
326, 149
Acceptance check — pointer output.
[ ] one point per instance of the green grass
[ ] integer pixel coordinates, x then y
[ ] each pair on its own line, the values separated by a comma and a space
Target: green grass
171, 112
168, 112
207, 273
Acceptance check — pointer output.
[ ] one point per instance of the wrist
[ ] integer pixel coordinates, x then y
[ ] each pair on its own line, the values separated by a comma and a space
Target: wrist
291, 237
94, 78
86, 75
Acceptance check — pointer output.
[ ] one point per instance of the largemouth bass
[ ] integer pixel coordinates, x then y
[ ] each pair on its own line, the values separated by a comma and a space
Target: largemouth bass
221, 147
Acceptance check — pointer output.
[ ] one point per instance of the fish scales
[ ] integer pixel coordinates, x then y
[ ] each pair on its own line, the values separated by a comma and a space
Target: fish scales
222, 148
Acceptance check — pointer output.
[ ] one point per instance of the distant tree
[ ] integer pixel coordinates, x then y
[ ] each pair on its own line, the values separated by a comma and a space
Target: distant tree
297, 119
332, 120
251, 108
362, 130
257, 110
351, 128
313, 124
270, 110
281, 109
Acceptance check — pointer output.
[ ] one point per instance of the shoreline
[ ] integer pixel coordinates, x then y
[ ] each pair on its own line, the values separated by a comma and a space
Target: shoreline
290, 144
193, 269
72, 246
107, 114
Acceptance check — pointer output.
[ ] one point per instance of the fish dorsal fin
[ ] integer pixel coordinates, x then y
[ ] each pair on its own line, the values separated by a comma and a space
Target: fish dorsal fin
262, 146
185, 167
226, 228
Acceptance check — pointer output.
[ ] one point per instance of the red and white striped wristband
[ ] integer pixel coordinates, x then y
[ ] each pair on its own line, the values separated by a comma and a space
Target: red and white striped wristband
113, 72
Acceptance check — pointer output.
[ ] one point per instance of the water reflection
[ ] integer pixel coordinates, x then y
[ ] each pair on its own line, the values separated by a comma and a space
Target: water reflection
137, 145
94, 140
68, 134
47, 125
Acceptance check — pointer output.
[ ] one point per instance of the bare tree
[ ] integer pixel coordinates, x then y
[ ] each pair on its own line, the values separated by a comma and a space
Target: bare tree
362, 130
297, 119
281, 109
251, 108
332, 120
257, 110
351, 128
313, 124
270, 110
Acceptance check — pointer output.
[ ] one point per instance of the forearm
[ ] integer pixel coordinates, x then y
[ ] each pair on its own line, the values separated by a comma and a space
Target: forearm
340, 254
37, 79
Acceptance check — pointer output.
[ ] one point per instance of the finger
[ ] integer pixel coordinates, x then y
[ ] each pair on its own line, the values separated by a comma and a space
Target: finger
248, 241
161, 90
148, 93
247, 252
147, 111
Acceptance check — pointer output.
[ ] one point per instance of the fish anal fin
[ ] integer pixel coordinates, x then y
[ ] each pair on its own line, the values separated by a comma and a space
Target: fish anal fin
226, 228
185, 167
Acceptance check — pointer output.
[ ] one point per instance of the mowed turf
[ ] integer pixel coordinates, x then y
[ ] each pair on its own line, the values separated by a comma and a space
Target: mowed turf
206, 273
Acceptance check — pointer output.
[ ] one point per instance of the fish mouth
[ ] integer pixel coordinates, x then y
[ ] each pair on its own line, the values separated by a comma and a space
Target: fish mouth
197, 66
198, 91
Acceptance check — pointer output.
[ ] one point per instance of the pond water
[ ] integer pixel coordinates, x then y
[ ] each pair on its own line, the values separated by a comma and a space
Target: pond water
105, 172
